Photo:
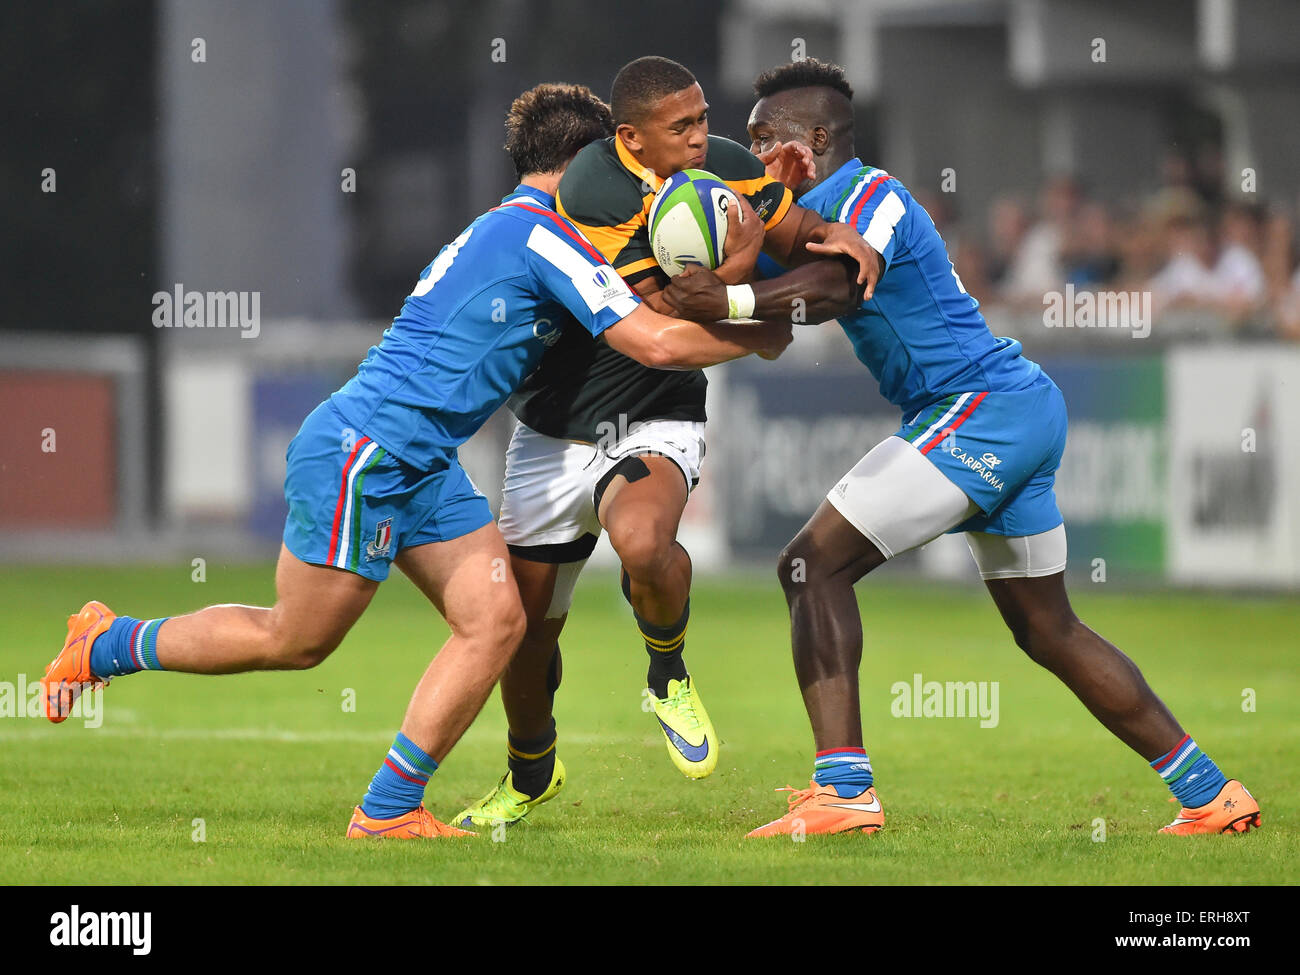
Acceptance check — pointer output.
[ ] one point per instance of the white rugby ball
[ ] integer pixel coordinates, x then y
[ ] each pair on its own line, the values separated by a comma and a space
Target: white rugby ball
688, 221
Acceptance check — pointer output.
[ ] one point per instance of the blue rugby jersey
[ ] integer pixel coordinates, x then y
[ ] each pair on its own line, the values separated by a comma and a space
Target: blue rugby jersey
477, 323
921, 334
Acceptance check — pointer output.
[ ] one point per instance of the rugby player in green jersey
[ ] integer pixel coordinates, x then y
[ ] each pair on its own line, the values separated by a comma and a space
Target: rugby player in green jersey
605, 443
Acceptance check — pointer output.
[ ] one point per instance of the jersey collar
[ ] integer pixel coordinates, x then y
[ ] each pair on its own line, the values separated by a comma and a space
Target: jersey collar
828, 188
633, 166
525, 194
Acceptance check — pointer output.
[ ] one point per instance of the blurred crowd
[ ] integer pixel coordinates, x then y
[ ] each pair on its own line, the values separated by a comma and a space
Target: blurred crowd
1190, 244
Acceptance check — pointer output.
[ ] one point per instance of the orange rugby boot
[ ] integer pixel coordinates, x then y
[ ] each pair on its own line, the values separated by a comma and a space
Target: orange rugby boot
820, 809
68, 675
417, 823
1233, 810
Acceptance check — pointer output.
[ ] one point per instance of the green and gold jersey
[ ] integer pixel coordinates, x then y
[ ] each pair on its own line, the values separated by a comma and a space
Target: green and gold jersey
582, 382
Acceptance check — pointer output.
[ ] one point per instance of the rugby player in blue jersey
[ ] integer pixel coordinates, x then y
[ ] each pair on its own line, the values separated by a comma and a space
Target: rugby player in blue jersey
982, 435
373, 477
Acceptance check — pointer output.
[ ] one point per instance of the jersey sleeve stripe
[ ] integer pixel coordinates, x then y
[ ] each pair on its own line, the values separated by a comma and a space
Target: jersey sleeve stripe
569, 231
883, 221
748, 187
613, 294
849, 190
636, 267
862, 200
850, 196
787, 201
558, 253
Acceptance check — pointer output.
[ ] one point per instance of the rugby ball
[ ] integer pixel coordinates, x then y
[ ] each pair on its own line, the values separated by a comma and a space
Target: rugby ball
688, 221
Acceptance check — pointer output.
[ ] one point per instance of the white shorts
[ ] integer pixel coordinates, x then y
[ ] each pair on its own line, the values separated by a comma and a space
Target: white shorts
548, 503
899, 500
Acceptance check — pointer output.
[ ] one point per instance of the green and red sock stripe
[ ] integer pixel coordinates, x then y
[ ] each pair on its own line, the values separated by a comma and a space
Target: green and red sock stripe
398, 786
144, 644
847, 768
1189, 773
128, 645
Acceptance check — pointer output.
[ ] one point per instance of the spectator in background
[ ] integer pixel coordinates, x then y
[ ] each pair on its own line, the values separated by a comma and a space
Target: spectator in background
1089, 258
1007, 225
1036, 268
1288, 310
1139, 244
964, 249
1282, 275
1184, 279
1238, 286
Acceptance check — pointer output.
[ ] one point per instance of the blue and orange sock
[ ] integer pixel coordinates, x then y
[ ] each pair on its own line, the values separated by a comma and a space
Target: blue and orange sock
1191, 776
127, 646
398, 786
848, 769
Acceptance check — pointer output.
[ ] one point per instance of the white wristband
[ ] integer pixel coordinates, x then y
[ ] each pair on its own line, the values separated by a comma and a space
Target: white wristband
740, 301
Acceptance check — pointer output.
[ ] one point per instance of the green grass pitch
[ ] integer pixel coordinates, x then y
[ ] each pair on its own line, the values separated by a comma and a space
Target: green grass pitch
273, 763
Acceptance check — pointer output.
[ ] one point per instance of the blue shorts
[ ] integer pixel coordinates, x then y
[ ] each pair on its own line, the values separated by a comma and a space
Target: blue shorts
354, 506
1002, 450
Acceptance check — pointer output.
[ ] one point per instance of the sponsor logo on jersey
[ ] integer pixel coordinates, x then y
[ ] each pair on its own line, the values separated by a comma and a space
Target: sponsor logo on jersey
992, 460
980, 467
546, 332
611, 284
378, 547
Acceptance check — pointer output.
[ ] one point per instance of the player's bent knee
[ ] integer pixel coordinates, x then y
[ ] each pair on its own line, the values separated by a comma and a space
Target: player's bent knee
644, 550
501, 627
792, 569
290, 646
303, 655
1045, 639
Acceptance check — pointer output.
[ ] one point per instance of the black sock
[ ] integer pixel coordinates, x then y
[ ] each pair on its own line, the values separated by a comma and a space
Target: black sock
531, 761
664, 644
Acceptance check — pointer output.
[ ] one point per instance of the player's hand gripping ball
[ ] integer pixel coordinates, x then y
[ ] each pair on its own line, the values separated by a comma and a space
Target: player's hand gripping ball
688, 221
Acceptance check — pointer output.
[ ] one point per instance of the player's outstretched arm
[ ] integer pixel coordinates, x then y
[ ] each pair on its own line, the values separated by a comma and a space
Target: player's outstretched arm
803, 236
670, 343
810, 294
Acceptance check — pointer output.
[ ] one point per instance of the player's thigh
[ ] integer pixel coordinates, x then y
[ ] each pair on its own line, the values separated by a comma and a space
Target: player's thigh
548, 519
827, 546
646, 479
641, 503
896, 499
546, 590
316, 605
546, 501
469, 579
